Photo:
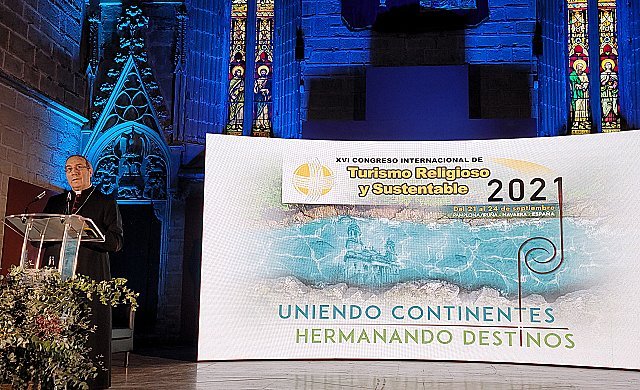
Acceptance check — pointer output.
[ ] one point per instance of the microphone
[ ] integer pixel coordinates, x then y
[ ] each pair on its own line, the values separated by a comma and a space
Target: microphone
68, 201
37, 198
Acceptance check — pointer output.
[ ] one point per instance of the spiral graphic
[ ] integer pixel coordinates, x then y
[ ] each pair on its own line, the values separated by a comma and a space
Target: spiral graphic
529, 251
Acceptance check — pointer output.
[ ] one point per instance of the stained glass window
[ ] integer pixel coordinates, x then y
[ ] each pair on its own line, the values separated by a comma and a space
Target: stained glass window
237, 67
251, 68
262, 89
608, 66
579, 70
593, 77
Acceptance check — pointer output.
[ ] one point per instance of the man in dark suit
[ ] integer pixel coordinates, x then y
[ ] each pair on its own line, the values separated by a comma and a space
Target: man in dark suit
93, 258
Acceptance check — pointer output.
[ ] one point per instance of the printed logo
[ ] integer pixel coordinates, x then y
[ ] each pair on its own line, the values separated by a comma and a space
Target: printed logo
313, 179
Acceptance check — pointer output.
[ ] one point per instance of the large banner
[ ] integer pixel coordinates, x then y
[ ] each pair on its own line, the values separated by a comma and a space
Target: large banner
508, 250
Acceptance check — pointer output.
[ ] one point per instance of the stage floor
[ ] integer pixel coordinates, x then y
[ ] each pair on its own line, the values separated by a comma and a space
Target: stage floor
146, 372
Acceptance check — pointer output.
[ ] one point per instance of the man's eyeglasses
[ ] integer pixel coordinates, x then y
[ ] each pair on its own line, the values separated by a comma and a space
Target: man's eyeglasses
78, 168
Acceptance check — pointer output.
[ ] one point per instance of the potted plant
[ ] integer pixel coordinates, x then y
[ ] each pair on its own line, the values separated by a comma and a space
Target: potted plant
44, 326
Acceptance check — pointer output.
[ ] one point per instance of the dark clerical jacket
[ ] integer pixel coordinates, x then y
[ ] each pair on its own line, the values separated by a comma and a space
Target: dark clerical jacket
93, 261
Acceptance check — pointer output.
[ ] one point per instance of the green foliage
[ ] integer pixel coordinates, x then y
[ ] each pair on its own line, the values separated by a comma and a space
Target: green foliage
44, 326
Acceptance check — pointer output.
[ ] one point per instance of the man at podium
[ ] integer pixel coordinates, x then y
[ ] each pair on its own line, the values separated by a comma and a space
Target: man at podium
93, 258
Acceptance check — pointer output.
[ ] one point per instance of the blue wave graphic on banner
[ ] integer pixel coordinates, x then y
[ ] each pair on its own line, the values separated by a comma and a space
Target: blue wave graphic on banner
379, 253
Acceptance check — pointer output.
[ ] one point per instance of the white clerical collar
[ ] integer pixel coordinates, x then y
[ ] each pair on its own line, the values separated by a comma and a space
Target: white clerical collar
79, 192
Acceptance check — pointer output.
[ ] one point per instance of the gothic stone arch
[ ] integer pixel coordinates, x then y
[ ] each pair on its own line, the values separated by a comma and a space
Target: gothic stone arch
131, 162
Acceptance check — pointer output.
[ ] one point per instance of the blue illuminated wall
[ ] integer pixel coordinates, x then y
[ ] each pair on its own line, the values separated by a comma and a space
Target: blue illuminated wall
287, 76
516, 65
499, 49
324, 76
42, 91
333, 62
630, 60
207, 35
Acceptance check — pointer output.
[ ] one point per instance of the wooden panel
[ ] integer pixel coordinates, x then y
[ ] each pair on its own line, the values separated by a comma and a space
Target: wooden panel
19, 195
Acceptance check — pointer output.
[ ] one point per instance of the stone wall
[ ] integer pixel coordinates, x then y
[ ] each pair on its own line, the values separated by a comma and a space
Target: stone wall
40, 45
553, 107
207, 68
500, 50
42, 91
286, 76
629, 41
36, 136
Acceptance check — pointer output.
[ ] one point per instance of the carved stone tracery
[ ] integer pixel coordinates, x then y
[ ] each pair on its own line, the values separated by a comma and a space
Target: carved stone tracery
131, 45
133, 165
132, 168
131, 105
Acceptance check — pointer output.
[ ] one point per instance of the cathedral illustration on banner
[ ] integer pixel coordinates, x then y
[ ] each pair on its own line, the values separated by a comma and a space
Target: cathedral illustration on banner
365, 265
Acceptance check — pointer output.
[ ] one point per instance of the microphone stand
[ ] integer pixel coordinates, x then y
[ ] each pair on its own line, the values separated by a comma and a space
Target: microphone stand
37, 198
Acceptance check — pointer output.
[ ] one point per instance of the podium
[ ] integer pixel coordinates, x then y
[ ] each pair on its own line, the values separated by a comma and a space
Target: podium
39, 230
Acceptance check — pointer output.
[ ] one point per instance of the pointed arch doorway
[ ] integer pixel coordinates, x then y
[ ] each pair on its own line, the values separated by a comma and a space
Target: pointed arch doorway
131, 162
139, 261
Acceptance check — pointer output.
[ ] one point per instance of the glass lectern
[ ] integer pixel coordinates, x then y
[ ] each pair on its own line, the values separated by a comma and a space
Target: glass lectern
39, 230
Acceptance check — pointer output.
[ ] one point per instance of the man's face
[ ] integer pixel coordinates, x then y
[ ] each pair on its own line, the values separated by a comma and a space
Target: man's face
78, 173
